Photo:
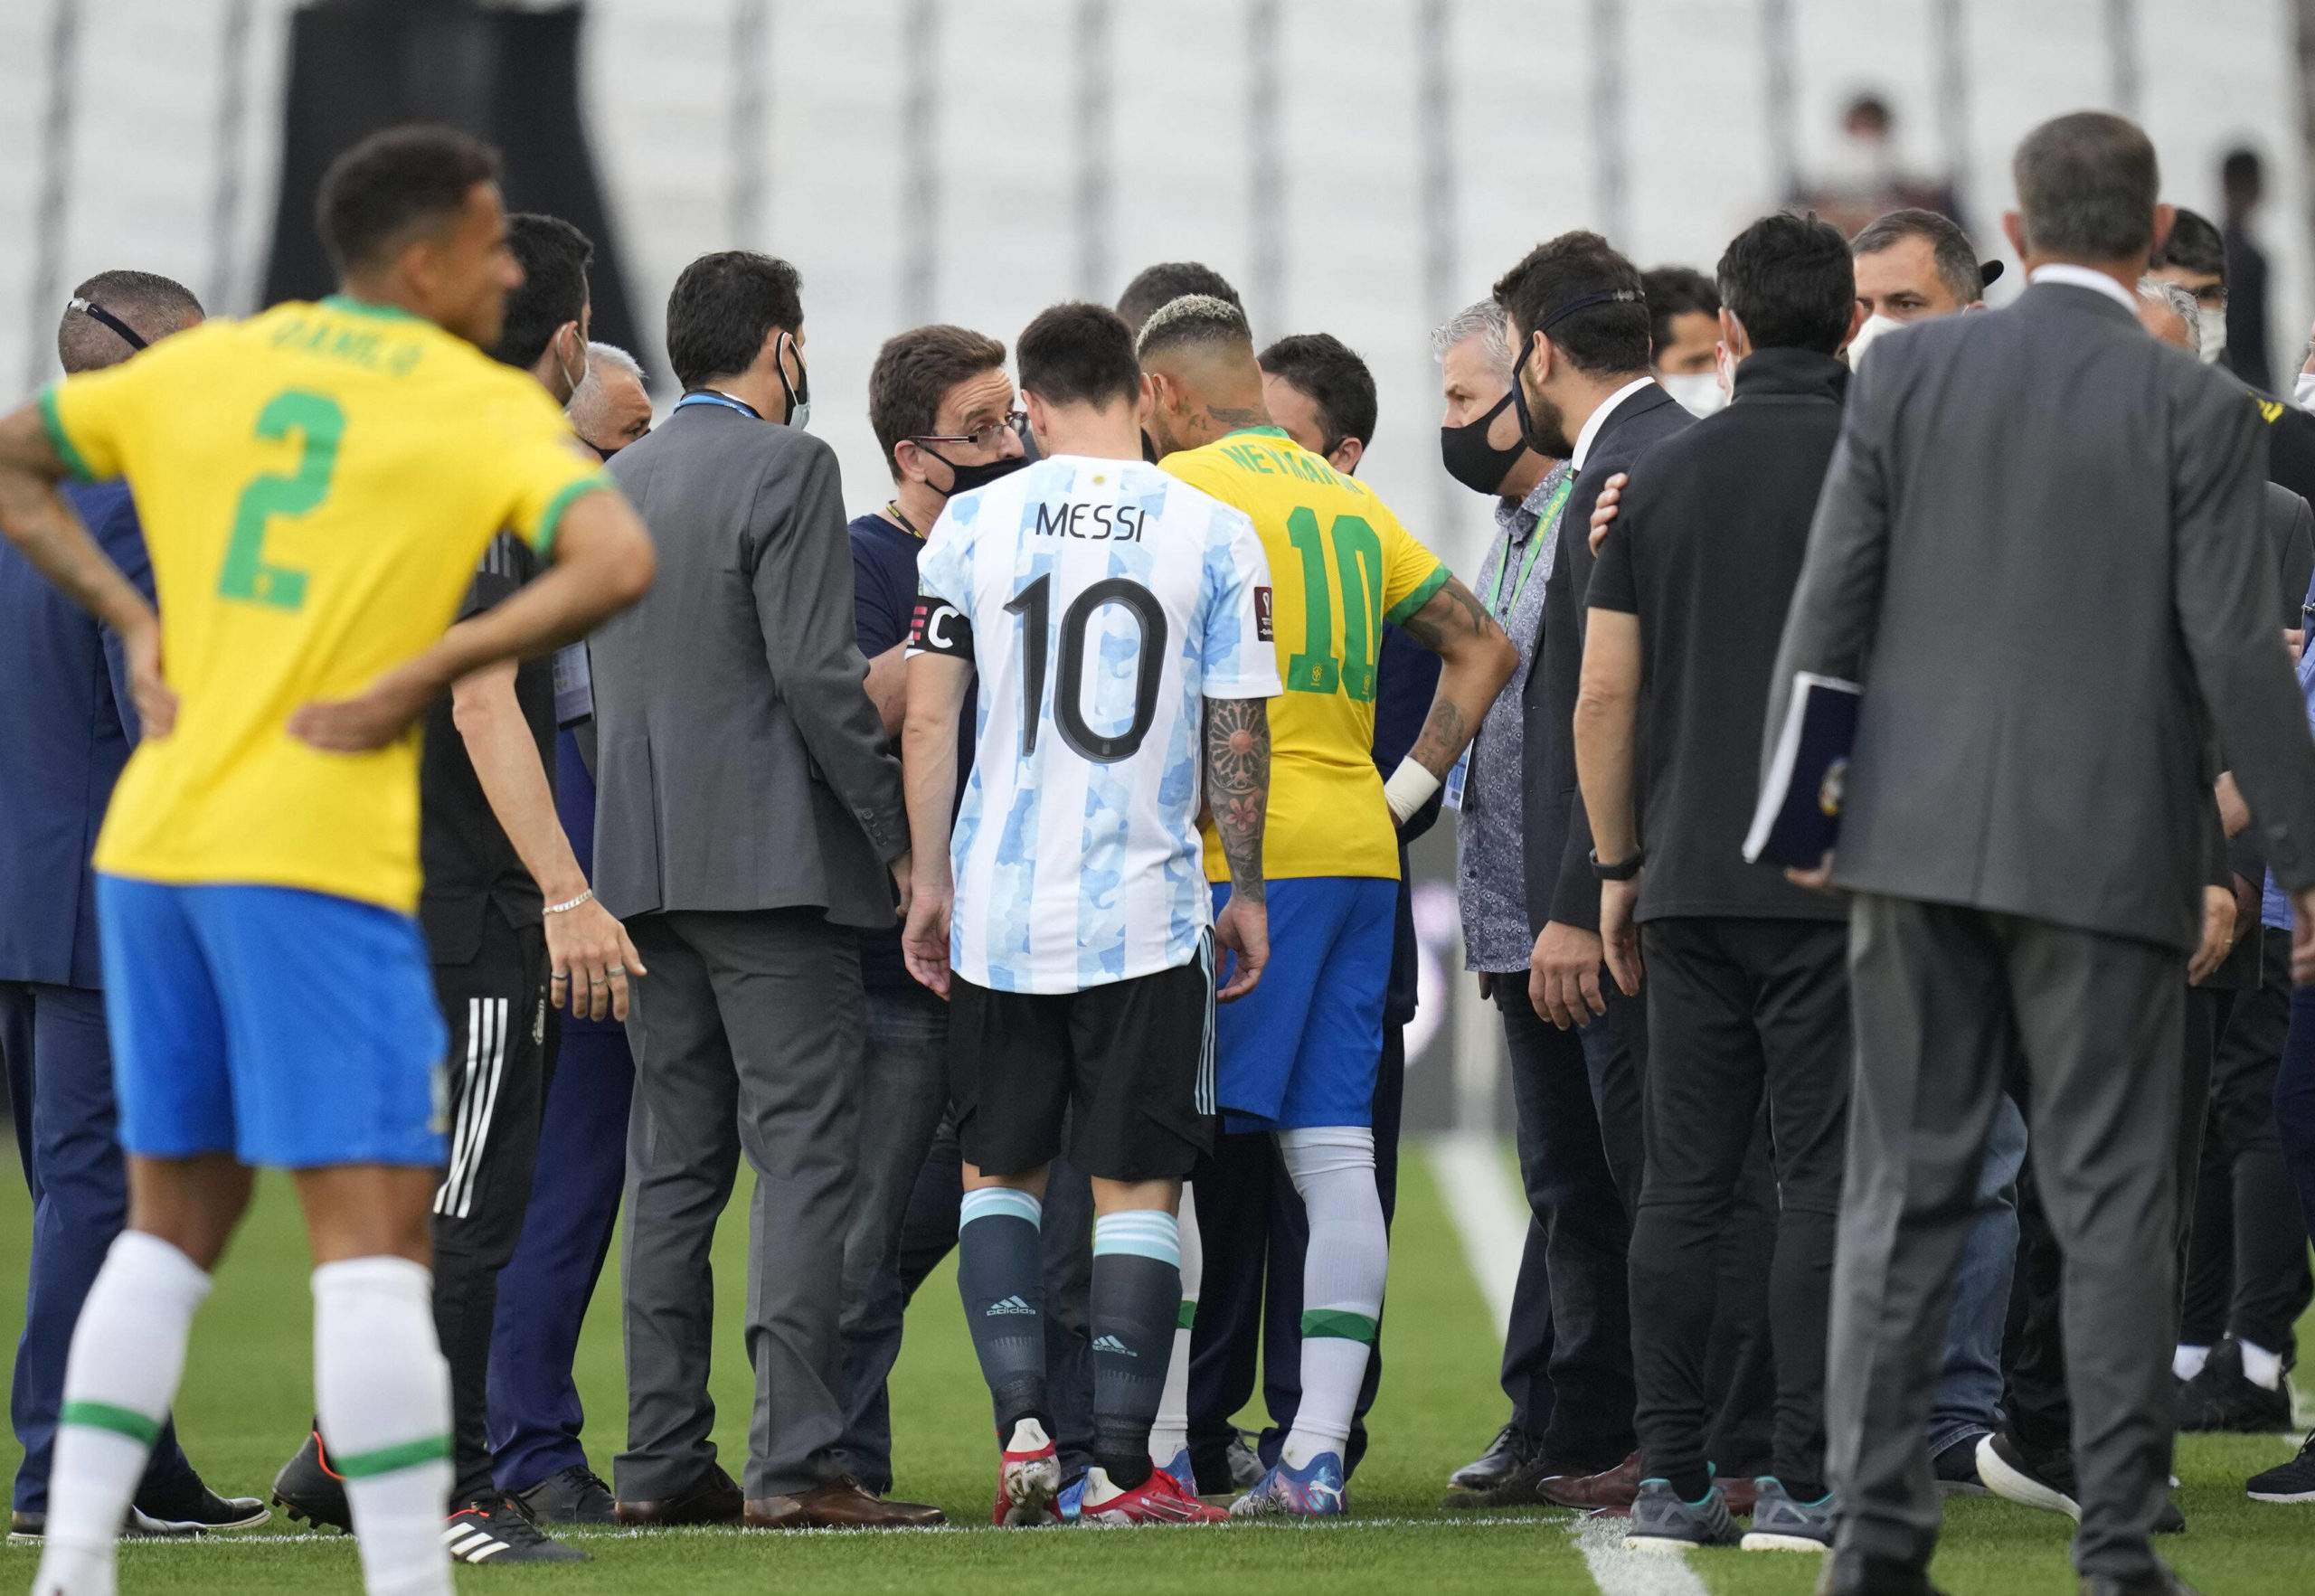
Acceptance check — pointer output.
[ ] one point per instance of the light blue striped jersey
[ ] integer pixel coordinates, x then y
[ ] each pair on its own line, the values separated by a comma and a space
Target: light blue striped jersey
1100, 602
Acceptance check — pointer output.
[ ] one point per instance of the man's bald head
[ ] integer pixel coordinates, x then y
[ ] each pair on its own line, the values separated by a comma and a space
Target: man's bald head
151, 305
1200, 379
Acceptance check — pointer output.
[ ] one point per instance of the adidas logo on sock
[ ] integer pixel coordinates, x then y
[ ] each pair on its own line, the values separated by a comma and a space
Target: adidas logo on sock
1112, 1344
1010, 1304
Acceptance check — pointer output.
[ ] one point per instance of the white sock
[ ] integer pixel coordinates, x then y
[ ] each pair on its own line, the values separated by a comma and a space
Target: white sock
1333, 1169
2260, 1367
383, 1394
127, 1355
1171, 1432
2187, 1362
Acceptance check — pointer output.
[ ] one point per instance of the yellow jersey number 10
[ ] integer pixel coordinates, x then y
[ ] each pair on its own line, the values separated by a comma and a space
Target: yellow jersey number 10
1358, 576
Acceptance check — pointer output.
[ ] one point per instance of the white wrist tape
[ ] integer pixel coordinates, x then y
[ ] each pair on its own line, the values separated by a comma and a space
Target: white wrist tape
1408, 790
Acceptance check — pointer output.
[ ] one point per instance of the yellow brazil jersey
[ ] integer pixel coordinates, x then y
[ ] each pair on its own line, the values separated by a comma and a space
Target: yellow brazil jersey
316, 485
1340, 565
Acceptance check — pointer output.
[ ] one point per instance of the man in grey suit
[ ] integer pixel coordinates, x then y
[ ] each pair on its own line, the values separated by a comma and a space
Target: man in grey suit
2039, 551
749, 820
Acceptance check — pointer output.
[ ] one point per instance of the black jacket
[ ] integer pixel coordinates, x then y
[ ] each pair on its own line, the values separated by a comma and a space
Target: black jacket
1705, 553
1556, 833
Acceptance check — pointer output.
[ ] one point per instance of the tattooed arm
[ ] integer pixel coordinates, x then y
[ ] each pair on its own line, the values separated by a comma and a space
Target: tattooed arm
1237, 792
1476, 658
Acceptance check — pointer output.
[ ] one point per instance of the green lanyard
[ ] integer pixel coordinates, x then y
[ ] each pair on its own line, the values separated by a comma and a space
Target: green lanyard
1545, 524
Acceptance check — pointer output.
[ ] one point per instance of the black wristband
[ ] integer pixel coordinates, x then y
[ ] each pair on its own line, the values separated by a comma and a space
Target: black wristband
1624, 871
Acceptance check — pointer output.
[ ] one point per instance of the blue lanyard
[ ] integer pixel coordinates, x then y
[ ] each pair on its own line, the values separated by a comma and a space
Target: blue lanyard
725, 399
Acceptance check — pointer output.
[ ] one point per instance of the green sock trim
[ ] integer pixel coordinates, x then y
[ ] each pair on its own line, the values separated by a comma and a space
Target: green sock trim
1339, 1324
389, 1460
1188, 1318
119, 1420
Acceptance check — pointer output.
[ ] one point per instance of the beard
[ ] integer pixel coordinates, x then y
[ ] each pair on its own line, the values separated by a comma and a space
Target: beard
1543, 425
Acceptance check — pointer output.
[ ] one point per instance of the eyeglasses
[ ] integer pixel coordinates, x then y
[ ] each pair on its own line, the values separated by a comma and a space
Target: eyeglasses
989, 437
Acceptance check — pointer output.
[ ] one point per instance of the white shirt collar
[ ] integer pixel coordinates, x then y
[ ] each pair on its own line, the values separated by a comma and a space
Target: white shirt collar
1599, 417
2081, 277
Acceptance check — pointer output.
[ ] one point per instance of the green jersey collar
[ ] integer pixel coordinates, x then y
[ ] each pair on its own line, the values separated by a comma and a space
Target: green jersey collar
353, 306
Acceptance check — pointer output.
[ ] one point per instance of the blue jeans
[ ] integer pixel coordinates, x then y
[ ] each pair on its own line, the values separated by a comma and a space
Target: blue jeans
1969, 1391
903, 1092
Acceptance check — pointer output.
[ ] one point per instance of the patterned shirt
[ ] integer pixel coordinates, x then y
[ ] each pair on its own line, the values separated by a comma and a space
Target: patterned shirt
1100, 603
1490, 874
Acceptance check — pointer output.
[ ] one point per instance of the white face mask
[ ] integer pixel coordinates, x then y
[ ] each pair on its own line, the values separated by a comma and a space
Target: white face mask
1699, 393
2212, 331
1876, 327
2302, 393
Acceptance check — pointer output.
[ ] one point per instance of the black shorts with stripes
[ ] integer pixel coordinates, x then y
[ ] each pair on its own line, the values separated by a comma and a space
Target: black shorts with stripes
1129, 1066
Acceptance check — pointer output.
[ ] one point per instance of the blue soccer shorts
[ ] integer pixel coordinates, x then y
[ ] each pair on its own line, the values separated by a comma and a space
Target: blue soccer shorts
1302, 1048
292, 1029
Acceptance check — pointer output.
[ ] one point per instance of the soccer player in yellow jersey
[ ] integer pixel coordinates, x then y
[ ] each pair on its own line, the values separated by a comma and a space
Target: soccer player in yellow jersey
1299, 1055
316, 485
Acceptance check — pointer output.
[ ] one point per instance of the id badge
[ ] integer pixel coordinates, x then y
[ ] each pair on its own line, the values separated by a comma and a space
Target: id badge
1453, 798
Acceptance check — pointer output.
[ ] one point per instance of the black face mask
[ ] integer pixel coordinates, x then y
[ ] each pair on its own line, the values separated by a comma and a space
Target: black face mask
965, 478
1148, 447
1470, 460
1548, 436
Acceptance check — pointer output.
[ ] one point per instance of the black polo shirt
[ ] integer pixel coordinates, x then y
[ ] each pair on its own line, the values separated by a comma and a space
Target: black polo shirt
1706, 551
470, 866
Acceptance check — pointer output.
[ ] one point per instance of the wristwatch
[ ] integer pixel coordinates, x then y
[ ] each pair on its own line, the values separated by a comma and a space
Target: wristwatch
1620, 872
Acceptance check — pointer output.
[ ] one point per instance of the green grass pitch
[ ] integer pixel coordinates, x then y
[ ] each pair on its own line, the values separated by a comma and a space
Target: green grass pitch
248, 1393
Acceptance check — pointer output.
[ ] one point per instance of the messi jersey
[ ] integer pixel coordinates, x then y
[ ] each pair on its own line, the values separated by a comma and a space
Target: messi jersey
317, 484
1341, 565
1101, 602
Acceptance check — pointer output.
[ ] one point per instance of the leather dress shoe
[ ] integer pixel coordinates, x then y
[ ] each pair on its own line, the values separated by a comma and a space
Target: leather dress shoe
843, 1503
2160, 1580
713, 1498
1848, 1575
1503, 1455
1611, 1490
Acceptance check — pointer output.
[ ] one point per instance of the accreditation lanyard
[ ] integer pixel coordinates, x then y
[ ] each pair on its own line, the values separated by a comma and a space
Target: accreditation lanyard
1546, 524
708, 396
1546, 527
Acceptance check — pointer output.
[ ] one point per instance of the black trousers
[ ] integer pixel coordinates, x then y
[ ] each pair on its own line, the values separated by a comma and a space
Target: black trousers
1252, 1232
1567, 1356
1741, 1011
2246, 1261
499, 1062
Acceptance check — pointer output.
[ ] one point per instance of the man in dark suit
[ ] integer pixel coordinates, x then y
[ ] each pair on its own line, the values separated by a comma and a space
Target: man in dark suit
67, 722
2039, 552
1581, 384
749, 822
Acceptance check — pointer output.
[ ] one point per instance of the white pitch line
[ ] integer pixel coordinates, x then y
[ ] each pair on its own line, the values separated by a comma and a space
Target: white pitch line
1619, 1572
1490, 1215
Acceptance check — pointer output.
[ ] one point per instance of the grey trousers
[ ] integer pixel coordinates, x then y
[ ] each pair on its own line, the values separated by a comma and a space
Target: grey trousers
747, 1039
1948, 1002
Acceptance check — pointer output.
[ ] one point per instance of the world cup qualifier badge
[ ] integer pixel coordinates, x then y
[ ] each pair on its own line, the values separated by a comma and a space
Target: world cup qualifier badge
1263, 605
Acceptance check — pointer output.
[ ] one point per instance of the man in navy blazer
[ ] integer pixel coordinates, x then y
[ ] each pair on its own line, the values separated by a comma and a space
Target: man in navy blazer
68, 722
